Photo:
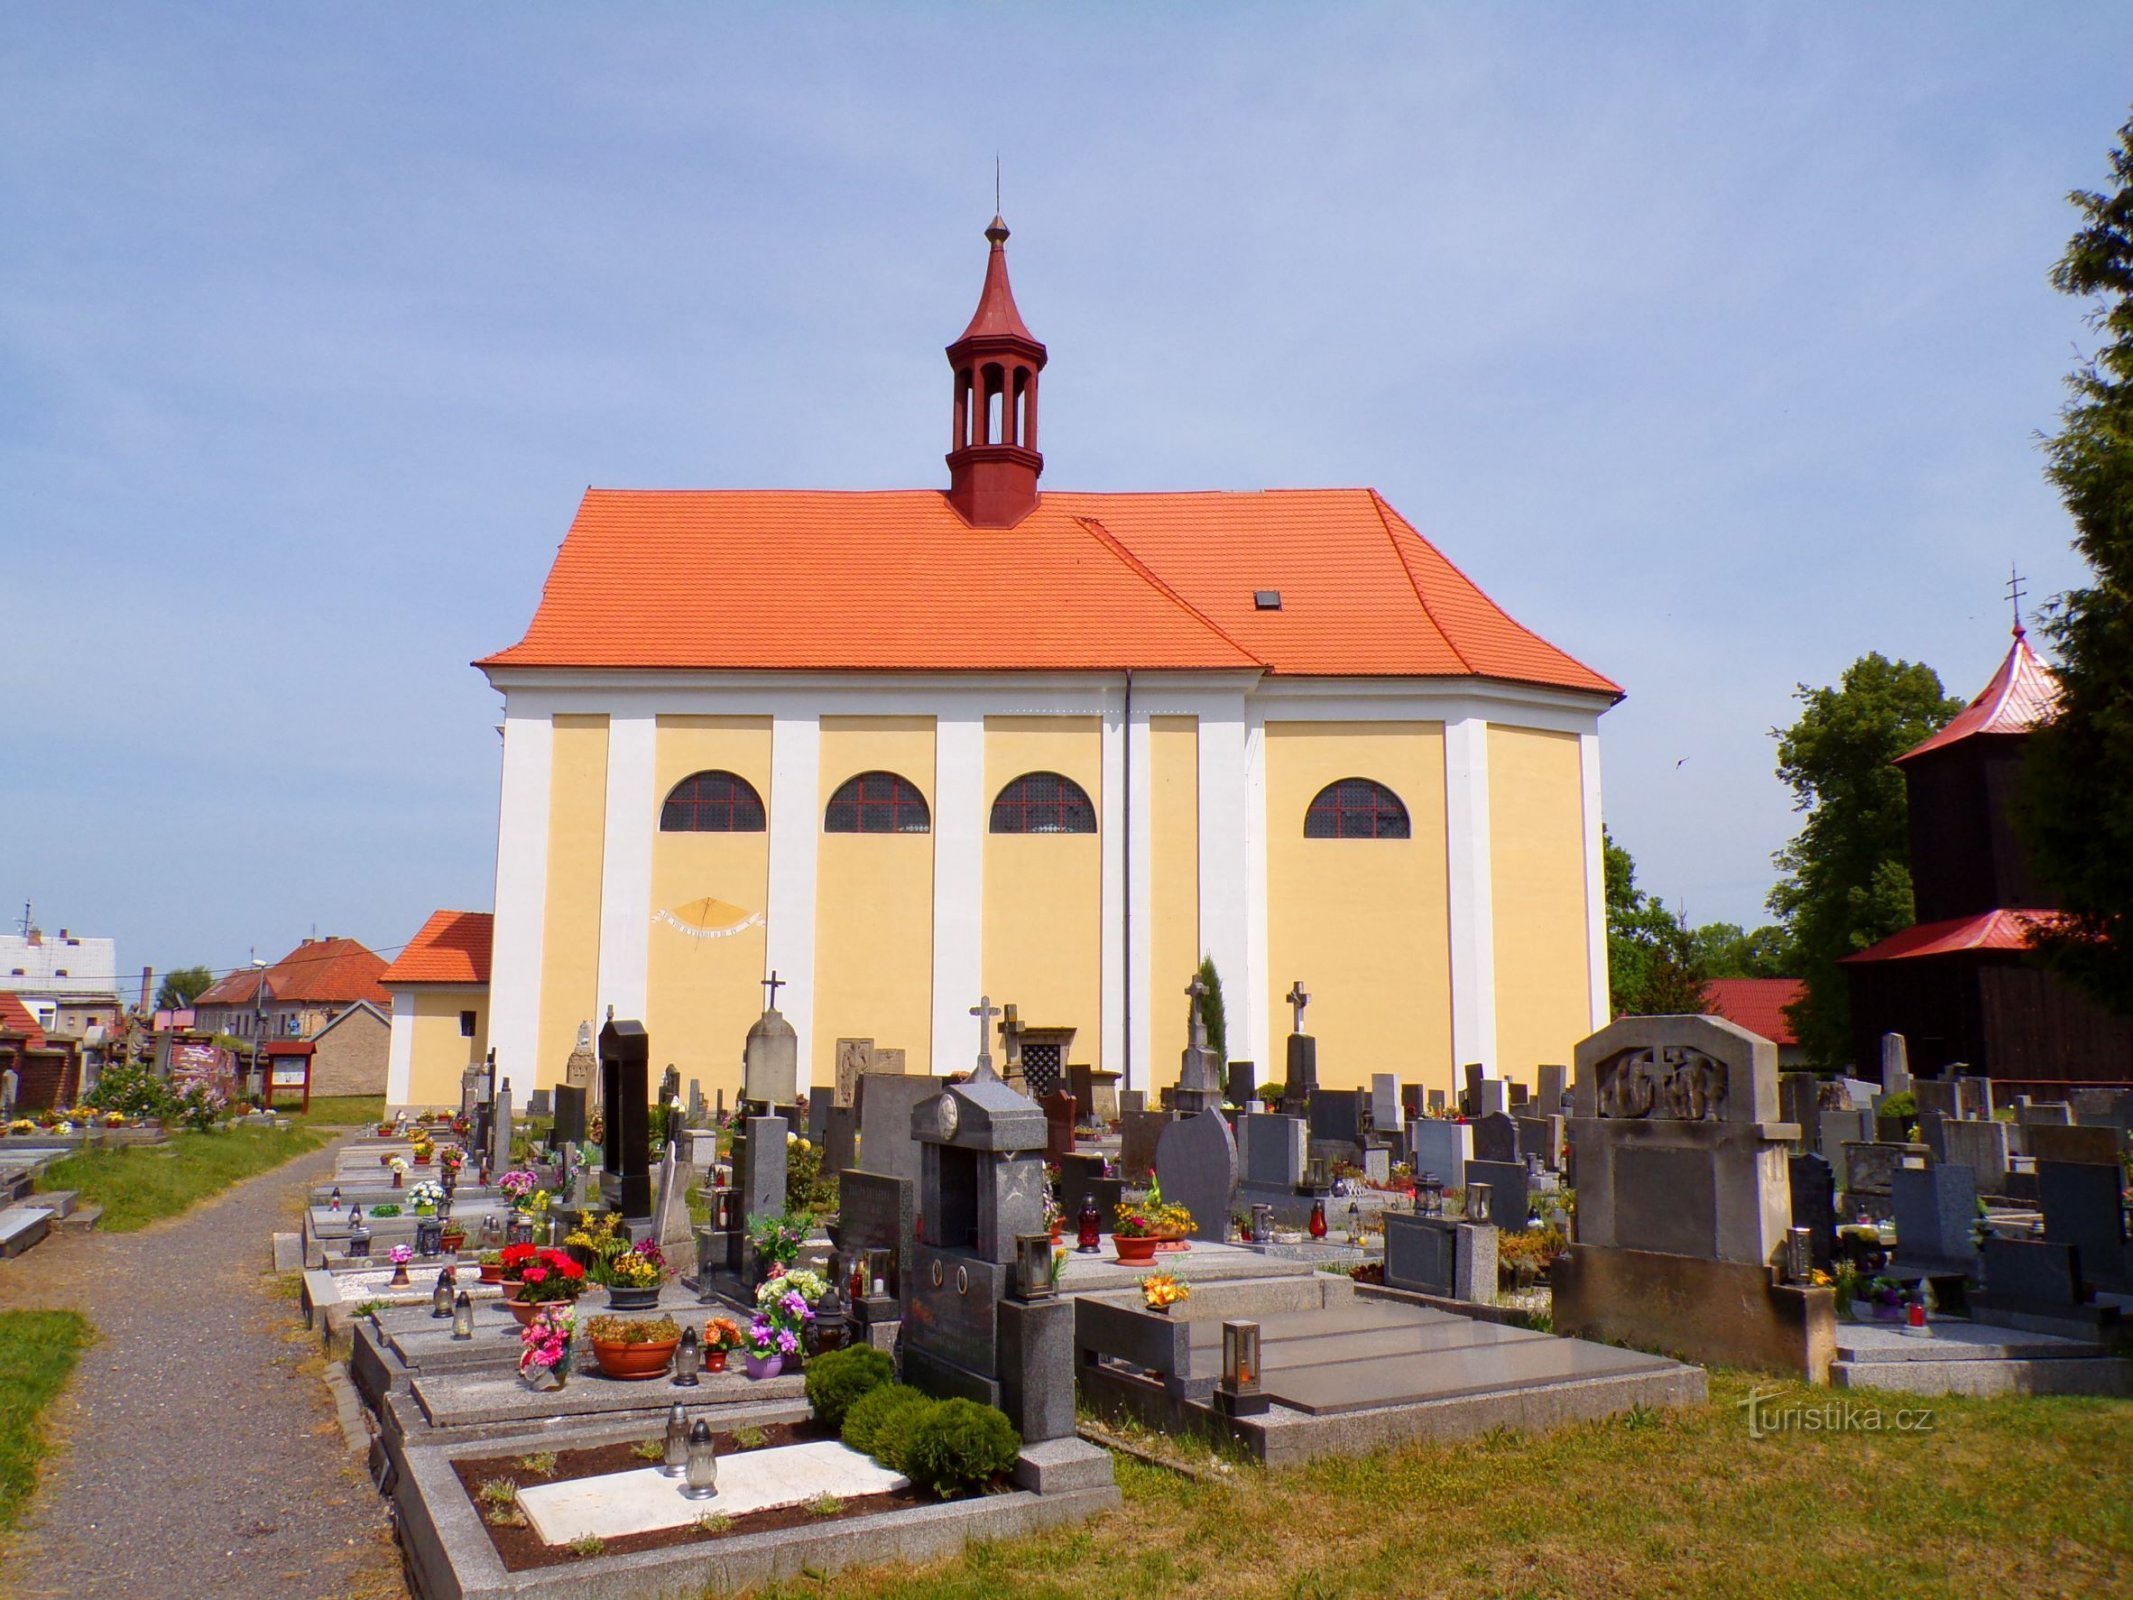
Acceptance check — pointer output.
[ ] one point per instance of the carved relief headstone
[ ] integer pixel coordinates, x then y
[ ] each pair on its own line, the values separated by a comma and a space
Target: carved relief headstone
854, 1057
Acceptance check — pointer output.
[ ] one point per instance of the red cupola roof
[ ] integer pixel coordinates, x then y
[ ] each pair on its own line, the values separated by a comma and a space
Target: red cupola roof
2022, 694
993, 464
997, 316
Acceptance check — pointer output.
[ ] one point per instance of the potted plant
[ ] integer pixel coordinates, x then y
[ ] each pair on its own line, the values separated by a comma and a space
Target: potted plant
401, 1255
426, 1197
633, 1276
595, 1238
424, 1148
514, 1258
1880, 1301
1142, 1226
777, 1238
550, 1278
544, 1345
492, 1266
398, 1167
1162, 1290
633, 1348
774, 1336
722, 1335
452, 1237
523, 1190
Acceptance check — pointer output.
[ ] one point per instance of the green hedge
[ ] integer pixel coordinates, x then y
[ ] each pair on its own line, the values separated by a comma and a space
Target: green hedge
836, 1380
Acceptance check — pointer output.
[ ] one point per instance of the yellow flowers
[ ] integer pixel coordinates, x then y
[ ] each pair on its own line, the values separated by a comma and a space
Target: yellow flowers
1162, 1290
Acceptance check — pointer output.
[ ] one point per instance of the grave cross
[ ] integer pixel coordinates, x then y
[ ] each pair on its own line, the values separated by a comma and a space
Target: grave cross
773, 983
1297, 998
984, 1011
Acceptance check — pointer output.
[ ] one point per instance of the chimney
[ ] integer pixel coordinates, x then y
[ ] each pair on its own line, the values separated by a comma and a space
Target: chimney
148, 978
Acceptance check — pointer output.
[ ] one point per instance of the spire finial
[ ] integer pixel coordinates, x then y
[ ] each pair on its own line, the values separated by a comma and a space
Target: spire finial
2015, 591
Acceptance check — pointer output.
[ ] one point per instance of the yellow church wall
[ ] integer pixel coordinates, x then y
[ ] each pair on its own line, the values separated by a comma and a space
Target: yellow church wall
704, 985
1043, 901
1174, 886
441, 1052
1365, 923
570, 936
1537, 890
874, 903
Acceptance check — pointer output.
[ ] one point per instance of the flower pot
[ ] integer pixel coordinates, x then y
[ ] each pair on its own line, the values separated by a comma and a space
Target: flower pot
398, 1179
524, 1310
762, 1366
1134, 1252
453, 1239
633, 1362
491, 1274
1163, 1245
422, 1161
622, 1299
545, 1378
714, 1361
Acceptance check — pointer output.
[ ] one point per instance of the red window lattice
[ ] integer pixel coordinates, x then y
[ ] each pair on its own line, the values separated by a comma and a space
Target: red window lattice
712, 802
1043, 802
1356, 808
877, 802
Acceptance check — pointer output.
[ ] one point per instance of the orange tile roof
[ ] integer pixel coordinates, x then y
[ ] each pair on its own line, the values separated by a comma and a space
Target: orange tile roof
1757, 1004
335, 971
1994, 930
17, 1018
453, 947
895, 581
2023, 693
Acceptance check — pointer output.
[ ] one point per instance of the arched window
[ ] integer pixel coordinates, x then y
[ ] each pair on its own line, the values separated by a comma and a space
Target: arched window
712, 802
1356, 808
1043, 802
877, 802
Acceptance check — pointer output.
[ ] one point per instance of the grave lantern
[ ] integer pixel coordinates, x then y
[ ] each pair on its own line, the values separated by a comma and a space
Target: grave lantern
1318, 1173
1477, 1202
676, 1464
1262, 1223
1429, 1195
688, 1358
429, 1236
520, 1229
729, 1210
702, 1470
334, 1203
829, 1330
1089, 1228
359, 1240
1237, 1393
441, 1296
1033, 1265
878, 1270
355, 1213
492, 1232
463, 1317
1355, 1222
1799, 1254
1318, 1219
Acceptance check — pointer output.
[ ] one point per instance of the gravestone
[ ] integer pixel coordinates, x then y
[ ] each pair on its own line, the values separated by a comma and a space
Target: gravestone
1442, 1147
538, 1104
569, 1125
1337, 1116
1845, 1127
625, 1173
1131, 1101
1869, 1168
1301, 1066
1895, 1064
1470, 1101
1553, 1088
1518, 1093
1813, 1185
1933, 1134
1271, 1149
1936, 1211
1385, 1104
1541, 1139
886, 1101
2046, 1113
1441, 1256
1138, 1133
1684, 1199
854, 1059
2083, 1206
500, 1130
877, 1212
1081, 1177
1436, 1102
2078, 1143
818, 1116
1058, 1126
1199, 1072
1800, 1102
1974, 1096
1491, 1099
1510, 1198
1414, 1101
759, 1174
1982, 1147
1496, 1138
770, 1061
1377, 1165
1196, 1162
10, 1091
1241, 1086
2030, 1273
1935, 1096
840, 1139
1095, 1093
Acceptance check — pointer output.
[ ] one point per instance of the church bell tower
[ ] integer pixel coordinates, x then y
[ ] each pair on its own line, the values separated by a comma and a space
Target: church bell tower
993, 464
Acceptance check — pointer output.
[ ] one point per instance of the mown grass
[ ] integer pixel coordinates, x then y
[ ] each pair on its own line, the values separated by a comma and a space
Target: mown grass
2000, 1497
140, 1184
336, 1110
38, 1350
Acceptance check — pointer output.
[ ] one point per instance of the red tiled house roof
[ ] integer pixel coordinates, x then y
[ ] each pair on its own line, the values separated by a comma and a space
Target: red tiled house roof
453, 947
1757, 1004
325, 971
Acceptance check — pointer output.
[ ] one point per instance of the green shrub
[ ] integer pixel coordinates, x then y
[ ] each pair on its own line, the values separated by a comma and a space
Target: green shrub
837, 1379
868, 1420
957, 1445
1899, 1105
130, 1088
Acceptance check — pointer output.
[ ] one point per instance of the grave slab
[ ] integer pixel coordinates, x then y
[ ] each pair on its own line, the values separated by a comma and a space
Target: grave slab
646, 1501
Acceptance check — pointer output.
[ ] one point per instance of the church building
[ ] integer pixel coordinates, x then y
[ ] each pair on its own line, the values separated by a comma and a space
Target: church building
907, 747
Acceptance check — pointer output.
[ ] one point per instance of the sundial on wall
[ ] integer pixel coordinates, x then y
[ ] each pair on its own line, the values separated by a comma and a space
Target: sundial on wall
708, 918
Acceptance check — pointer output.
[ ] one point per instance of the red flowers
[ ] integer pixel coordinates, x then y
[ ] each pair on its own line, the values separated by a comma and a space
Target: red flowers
548, 1275
517, 1255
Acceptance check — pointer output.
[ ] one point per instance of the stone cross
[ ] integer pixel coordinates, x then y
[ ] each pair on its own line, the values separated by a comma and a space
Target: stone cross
670, 1086
1011, 1038
1297, 999
773, 983
1195, 992
10, 1087
984, 1011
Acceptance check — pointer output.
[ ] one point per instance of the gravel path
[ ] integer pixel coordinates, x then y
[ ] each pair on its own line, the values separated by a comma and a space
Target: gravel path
199, 1455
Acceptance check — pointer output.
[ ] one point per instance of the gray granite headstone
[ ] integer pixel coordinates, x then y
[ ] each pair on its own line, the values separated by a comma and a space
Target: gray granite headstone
1137, 1135
1436, 1102
1541, 1138
1131, 1101
886, 1101
2096, 1146
1196, 1161
1935, 1095
2083, 1206
1301, 1078
1868, 1167
2051, 1113
1443, 1147
1491, 1098
1936, 1213
840, 1139
1845, 1127
1982, 1147
1895, 1064
1377, 1164
1271, 1149
1800, 1101
1476, 1074
1385, 1102
1421, 1253
1508, 1198
1554, 1085
1241, 1085
1495, 1138
500, 1129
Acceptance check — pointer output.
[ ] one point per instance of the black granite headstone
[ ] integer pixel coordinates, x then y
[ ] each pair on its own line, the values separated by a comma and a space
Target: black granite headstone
1814, 1205
626, 1176
2083, 1207
1241, 1085
1507, 1181
569, 1127
1302, 1076
1496, 1138
1337, 1114
2033, 1270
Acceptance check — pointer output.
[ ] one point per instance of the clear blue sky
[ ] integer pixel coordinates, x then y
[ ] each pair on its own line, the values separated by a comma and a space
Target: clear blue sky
1713, 341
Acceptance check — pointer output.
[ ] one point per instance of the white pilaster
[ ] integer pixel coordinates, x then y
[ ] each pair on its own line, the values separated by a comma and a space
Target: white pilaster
1595, 880
400, 1050
959, 812
626, 865
1141, 852
795, 841
1233, 872
1114, 836
521, 893
1473, 930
